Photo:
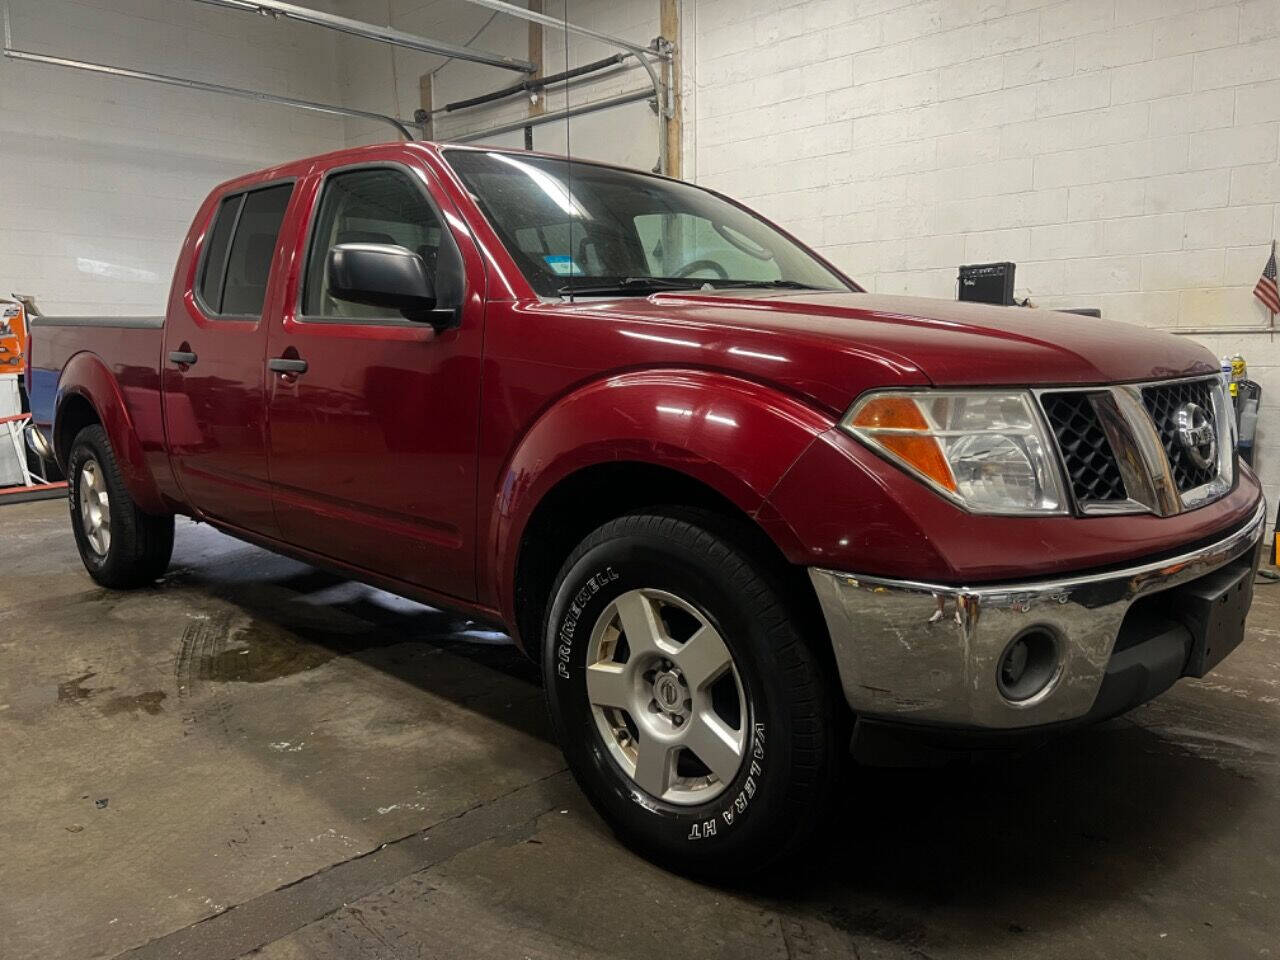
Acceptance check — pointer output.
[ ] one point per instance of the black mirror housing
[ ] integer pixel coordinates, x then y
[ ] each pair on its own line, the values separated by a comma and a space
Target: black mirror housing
382, 275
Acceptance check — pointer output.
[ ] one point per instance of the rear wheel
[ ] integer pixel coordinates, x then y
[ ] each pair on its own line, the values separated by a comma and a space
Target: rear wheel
689, 703
120, 545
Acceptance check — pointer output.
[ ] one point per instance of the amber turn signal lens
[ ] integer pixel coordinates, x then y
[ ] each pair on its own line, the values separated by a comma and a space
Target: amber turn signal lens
922, 453
890, 413
919, 451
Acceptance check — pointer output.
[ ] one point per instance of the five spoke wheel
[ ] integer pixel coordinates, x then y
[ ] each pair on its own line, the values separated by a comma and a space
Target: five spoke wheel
666, 696
95, 507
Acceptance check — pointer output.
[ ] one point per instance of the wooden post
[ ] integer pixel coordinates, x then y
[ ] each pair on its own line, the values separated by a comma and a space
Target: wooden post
669, 20
424, 100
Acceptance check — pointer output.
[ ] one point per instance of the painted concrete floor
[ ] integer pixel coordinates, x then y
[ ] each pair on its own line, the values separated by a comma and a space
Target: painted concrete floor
254, 758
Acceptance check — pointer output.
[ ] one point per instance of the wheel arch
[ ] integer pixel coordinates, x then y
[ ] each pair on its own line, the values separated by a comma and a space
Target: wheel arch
74, 413
88, 393
724, 444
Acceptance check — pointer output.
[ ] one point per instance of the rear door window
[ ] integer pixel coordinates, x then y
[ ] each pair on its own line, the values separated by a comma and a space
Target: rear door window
248, 261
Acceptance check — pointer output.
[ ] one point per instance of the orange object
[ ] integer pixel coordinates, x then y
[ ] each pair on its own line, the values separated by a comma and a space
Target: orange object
919, 450
13, 336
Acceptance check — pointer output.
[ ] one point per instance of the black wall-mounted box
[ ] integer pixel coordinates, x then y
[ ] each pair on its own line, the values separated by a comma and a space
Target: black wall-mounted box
987, 283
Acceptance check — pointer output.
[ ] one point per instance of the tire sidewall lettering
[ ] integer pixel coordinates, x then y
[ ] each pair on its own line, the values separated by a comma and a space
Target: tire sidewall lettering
568, 628
573, 624
74, 480
736, 806
79, 454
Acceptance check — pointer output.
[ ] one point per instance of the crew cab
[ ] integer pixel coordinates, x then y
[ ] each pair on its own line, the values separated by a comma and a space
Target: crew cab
741, 510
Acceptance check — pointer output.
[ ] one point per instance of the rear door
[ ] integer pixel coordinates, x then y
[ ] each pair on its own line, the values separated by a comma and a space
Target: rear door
213, 361
373, 447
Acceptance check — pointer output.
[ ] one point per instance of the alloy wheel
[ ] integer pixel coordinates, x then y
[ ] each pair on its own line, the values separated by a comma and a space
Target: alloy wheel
95, 507
667, 696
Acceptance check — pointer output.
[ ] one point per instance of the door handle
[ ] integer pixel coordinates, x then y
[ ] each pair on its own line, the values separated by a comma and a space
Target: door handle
183, 358
285, 365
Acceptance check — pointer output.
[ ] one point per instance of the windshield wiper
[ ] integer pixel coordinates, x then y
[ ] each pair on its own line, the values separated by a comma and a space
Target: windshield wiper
646, 285
764, 284
636, 285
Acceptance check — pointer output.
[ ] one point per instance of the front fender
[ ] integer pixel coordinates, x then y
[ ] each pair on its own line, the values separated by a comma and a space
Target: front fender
87, 376
735, 436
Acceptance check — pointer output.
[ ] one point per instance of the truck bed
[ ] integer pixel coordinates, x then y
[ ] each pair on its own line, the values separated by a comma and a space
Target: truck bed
129, 347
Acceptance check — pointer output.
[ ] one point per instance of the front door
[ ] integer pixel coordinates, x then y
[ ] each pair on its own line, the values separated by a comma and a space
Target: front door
373, 432
214, 381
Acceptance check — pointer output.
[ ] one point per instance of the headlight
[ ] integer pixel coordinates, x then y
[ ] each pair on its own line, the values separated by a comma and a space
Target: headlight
985, 450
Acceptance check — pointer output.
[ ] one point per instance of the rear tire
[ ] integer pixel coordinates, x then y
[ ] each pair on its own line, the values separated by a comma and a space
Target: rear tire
723, 806
121, 546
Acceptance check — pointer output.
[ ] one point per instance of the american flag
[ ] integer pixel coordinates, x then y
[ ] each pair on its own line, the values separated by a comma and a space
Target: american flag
1266, 289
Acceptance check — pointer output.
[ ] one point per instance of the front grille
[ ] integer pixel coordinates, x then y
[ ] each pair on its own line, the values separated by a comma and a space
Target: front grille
1162, 402
1086, 454
1098, 462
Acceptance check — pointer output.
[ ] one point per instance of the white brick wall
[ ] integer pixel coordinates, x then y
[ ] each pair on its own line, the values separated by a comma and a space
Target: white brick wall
100, 177
1078, 130
1122, 152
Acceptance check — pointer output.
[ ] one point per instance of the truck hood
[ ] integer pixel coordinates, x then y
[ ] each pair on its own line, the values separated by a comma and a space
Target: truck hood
893, 339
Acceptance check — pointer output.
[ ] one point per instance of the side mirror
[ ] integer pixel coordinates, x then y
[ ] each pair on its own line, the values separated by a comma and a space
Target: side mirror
382, 275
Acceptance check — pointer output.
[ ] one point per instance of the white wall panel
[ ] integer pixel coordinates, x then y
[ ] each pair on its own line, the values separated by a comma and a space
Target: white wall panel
1125, 153
100, 177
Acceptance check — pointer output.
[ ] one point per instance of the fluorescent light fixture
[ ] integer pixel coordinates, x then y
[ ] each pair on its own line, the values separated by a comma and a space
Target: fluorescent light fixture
115, 271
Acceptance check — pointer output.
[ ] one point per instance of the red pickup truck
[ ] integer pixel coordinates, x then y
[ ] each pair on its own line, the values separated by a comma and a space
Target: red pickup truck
740, 509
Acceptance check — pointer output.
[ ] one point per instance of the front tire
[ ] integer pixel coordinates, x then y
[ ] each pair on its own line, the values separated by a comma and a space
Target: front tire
687, 697
121, 546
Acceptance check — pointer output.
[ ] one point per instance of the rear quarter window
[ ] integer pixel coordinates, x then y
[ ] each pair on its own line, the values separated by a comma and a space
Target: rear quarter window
215, 260
249, 260
241, 245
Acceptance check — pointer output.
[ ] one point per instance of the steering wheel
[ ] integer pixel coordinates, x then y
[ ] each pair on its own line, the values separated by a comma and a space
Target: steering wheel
693, 266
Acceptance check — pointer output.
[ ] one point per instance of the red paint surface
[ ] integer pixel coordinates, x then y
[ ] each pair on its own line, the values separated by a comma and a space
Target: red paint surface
416, 459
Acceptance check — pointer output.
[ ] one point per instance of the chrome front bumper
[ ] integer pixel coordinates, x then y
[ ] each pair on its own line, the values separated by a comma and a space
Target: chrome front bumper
930, 653
38, 444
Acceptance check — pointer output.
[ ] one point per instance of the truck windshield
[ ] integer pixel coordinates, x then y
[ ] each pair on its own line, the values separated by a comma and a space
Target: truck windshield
593, 230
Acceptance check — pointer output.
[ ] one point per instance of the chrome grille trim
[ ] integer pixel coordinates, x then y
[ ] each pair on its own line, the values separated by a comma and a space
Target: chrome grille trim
1162, 402
1139, 450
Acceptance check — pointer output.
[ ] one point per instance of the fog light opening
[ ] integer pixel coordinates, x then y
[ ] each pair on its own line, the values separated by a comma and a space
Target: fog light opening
1028, 664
